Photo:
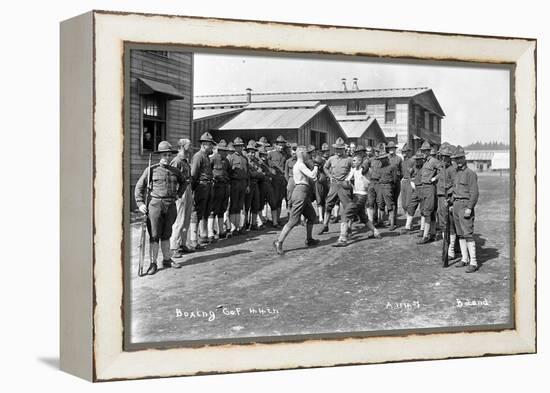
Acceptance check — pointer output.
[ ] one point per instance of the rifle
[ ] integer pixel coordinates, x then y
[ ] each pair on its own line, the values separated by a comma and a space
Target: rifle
447, 237
144, 223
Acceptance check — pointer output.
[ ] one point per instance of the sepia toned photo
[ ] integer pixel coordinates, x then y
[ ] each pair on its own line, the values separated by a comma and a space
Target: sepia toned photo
280, 198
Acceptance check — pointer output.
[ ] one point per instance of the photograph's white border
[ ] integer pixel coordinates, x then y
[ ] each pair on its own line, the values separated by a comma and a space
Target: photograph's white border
110, 33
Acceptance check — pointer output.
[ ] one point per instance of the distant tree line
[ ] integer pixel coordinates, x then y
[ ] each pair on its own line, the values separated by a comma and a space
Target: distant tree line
487, 146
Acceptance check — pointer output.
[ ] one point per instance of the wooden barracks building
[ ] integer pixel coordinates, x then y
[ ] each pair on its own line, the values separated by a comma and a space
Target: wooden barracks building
366, 116
162, 107
161, 102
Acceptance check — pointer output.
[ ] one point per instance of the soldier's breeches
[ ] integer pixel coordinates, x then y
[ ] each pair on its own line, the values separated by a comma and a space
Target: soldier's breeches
201, 202
279, 190
464, 226
414, 202
442, 214
406, 193
181, 225
356, 207
267, 195
162, 215
427, 200
338, 193
236, 203
301, 205
219, 199
252, 199
384, 196
321, 192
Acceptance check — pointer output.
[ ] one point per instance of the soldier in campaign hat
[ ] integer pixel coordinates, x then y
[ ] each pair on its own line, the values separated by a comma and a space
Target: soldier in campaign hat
220, 192
265, 185
386, 182
322, 184
415, 184
445, 179
201, 183
184, 205
277, 159
465, 196
252, 202
427, 193
397, 162
337, 169
263, 142
166, 185
239, 184
407, 170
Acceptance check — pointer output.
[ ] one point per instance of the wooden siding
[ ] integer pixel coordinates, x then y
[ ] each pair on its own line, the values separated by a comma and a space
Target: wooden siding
176, 70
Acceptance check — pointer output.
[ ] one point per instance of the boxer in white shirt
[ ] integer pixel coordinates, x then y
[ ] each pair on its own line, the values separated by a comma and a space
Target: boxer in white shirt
357, 206
300, 200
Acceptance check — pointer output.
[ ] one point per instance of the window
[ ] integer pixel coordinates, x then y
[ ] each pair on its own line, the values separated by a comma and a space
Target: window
154, 121
356, 107
161, 53
420, 119
318, 138
390, 112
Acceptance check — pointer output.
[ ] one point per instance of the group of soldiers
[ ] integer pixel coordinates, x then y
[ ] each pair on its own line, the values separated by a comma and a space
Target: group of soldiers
226, 189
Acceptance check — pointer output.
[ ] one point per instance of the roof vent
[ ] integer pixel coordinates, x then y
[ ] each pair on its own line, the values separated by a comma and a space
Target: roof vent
355, 86
248, 95
345, 88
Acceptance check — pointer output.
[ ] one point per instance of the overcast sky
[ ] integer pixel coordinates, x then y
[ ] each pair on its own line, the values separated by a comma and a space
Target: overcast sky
475, 100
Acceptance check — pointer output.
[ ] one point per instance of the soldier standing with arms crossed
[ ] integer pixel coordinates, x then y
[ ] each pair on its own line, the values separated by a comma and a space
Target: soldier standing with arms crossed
240, 180
414, 198
465, 196
168, 184
301, 202
184, 205
337, 169
252, 203
202, 180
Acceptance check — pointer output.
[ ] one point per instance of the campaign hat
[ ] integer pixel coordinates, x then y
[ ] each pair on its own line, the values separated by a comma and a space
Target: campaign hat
207, 137
165, 147
339, 144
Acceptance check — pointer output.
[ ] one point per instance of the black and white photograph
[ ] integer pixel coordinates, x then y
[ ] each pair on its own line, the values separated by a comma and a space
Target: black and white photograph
283, 197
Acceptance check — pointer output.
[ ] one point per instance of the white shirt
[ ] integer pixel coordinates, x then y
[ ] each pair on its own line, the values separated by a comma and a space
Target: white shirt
301, 173
360, 182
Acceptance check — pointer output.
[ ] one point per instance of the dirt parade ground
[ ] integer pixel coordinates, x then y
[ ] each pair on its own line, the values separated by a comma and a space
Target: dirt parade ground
239, 287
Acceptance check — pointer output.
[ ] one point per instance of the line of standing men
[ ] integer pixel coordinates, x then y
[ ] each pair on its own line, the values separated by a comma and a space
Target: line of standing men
230, 188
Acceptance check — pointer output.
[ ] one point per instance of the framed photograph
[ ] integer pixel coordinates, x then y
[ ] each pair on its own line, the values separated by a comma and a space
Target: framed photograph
249, 195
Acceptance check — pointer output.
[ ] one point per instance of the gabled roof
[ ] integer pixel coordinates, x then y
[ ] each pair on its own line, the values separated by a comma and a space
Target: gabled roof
203, 114
358, 126
480, 155
311, 95
272, 118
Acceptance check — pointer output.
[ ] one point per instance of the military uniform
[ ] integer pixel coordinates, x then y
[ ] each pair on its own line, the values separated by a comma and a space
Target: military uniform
252, 203
337, 169
407, 171
276, 161
289, 176
166, 184
184, 206
427, 193
239, 179
220, 190
397, 163
465, 197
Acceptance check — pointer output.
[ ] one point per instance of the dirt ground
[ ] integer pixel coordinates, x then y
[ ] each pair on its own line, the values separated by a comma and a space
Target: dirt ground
240, 288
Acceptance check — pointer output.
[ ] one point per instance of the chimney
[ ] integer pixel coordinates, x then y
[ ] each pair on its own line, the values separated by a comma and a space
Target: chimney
355, 86
344, 84
248, 95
